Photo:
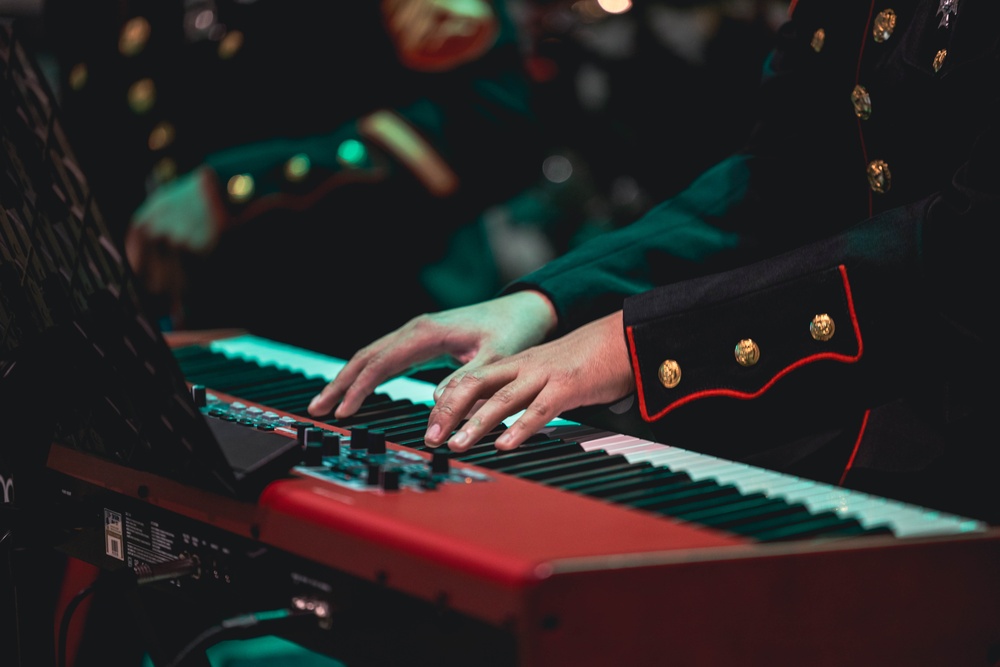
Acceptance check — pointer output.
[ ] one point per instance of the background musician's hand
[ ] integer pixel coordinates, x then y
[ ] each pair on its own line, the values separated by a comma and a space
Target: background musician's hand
588, 366
467, 337
176, 219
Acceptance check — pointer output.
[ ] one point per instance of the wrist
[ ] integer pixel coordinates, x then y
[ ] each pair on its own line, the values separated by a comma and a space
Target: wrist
211, 190
539, 308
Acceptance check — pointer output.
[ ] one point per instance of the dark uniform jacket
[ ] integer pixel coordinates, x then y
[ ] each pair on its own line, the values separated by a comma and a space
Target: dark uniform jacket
818, 303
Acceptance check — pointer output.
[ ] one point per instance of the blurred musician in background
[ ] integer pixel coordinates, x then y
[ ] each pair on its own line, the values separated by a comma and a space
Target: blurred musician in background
812, 304
289, 145
616, 145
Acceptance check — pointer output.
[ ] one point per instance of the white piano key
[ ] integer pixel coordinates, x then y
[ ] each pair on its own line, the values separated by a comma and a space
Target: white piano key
903, 519
313, 364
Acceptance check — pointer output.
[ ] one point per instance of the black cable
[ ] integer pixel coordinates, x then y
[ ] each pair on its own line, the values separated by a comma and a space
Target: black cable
123, 579
237, 625
67, 616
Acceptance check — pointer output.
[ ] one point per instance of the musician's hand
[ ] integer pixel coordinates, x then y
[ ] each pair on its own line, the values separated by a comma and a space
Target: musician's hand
468, 337
588, 366
176, 219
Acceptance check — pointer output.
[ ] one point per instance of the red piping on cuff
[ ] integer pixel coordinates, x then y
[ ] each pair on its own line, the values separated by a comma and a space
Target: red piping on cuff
857, 446
304, 202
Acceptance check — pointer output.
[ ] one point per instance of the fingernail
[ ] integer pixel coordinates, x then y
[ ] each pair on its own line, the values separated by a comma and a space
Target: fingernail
503, 440
313, 402
433, 433
459, 439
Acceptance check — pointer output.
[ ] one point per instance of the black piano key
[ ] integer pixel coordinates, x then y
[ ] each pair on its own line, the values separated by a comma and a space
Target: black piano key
226, 382
382, 414
659, 498
273, 392
499, 460
709, 502
195, 358
218, 371
556, 458
246, 377
635, 485
746, 515
298, 403
407, 431
617, 464
394, 418
743, 512
561, 465
486, 444
295, 405
814, 526
794, 525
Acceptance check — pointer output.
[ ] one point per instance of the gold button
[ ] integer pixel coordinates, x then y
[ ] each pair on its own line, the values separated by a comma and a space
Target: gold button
78, 76
885, 23
230, 45
862, 102
939, 59
819, 38
164, 170
821, 328
240, 188
351, 153
747, 352
297, 167
142, 96
133, 37
879, 178
161, 136
669, 374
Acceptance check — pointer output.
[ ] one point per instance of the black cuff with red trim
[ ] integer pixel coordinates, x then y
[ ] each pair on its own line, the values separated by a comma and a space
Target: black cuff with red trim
683, 357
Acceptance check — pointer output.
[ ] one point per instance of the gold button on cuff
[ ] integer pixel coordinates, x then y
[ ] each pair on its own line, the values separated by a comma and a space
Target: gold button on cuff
747, 353
297, 168
879, 177
240, 188
939, 59
161, 136
818, 39
862, 102
133, 37
231, 44
822, 327
142, 96
885, 23
669, 373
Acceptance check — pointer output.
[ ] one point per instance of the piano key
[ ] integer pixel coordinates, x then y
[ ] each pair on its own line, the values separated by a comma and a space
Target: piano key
379, 414
748, 510
612, 479
633, 480
313, 364
616, 464
870, 512
905, 519
499, 460
555, 464
594, 463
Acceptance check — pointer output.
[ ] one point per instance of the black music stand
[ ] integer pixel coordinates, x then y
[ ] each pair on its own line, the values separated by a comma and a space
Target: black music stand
80, 363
